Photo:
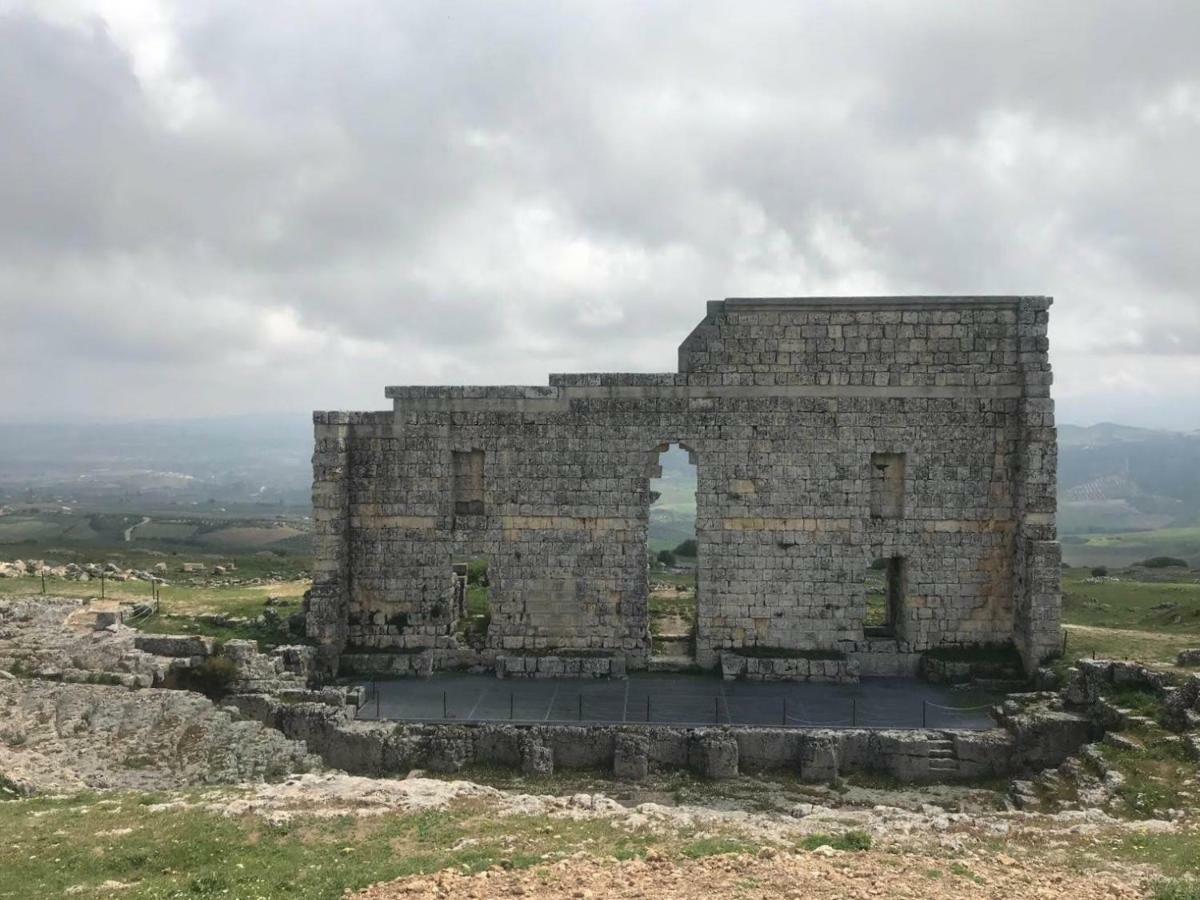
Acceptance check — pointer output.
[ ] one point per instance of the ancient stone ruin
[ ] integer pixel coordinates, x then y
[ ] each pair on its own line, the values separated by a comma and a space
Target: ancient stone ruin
915, 434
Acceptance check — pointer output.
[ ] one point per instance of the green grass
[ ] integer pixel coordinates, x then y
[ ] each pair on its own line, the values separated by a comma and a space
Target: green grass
78, 843
1168, 606
847, 840
1175, 853
1140, 701
1159, 777
1130, 547
176, 599
1131, 619
1176, 889
1149, 647
266, 635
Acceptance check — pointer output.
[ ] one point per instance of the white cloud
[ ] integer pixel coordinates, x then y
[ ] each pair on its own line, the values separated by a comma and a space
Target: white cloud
227, 207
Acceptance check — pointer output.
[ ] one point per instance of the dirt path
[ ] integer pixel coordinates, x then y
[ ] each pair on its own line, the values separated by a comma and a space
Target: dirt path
129, 531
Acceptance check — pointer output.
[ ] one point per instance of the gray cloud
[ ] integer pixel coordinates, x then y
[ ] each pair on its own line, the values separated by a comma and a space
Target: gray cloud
232, 207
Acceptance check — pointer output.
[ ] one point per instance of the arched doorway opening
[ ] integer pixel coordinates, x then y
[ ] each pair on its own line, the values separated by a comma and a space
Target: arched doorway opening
672, 558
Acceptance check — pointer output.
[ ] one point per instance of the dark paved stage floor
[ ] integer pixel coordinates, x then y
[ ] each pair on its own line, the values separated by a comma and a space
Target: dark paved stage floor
678, 699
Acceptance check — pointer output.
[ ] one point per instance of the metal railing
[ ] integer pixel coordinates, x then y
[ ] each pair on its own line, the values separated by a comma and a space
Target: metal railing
780, 712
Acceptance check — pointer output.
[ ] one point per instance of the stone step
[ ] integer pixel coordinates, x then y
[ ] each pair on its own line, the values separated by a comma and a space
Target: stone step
939, 753
669, 663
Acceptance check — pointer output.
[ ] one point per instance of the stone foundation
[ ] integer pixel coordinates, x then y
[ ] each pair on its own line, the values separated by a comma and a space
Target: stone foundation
579, 666
734, 666
631, 751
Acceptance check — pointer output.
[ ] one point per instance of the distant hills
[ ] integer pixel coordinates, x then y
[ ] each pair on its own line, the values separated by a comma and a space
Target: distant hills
1114, 478
254, 460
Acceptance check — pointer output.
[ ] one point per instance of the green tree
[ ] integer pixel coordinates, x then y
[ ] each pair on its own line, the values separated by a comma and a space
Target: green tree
687, 549
666, 557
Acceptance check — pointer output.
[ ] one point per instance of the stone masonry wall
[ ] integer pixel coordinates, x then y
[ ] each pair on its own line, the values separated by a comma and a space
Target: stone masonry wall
782, 405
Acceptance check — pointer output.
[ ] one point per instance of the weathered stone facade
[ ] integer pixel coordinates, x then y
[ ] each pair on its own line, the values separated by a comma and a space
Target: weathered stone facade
827, 433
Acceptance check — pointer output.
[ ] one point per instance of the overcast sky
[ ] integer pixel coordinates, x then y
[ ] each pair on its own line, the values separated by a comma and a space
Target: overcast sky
212, 208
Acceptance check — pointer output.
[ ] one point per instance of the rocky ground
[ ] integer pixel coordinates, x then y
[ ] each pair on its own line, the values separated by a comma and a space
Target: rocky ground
230, 784
56, 737
823, 873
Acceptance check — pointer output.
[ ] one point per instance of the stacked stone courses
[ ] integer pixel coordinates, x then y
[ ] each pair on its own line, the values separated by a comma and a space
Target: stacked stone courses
782, 404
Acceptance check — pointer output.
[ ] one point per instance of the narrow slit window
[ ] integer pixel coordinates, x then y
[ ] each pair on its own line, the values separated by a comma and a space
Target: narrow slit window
468, 482
887, 485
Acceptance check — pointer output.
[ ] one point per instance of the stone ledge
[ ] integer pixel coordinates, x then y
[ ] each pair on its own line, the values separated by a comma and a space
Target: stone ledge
417, 665
734, 666
550, 666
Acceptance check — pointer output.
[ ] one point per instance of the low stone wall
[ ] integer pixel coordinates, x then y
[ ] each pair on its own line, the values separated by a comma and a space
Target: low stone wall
575, 666
283, 668
631, 751
735, 666
395, 665
882, 657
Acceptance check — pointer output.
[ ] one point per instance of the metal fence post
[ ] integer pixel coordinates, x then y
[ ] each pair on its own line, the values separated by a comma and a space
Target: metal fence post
853, 712
43, 579
924, 716
102, 584
716, 710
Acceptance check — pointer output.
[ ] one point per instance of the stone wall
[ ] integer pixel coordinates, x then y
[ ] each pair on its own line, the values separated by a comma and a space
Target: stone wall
783, 406
631, 751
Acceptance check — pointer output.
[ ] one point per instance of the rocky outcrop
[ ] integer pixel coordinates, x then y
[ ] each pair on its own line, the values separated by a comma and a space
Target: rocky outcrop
57, 735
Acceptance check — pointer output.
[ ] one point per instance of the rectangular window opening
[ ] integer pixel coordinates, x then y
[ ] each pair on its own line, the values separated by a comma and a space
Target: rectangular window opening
885, 589
468, 482
472, 601
887, 485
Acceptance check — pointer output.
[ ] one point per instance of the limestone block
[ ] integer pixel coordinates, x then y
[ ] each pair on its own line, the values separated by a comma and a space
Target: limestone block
819, 758
631, 756
537, 758
173, 645
713, 754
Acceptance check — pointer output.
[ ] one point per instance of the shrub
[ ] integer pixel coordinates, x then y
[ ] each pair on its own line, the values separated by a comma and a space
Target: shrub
666, 557
849, 840
477, 572
1099, 571
687, 549
212, 678
1163, 562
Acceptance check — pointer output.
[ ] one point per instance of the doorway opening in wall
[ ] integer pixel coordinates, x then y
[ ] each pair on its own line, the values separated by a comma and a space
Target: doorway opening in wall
671, 556
885, 597
472, 604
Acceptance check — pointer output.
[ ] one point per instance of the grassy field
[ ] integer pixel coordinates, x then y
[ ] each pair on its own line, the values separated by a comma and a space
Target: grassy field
1131, 547
40, 531
1129, 618
79, 846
